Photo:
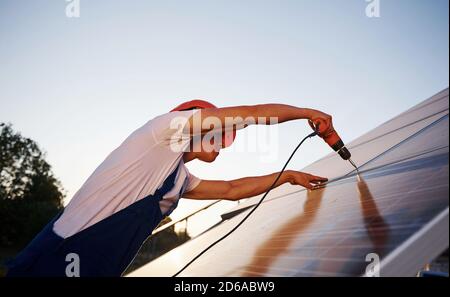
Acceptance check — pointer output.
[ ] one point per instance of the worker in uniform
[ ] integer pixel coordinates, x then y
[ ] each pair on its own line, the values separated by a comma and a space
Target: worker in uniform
141, 181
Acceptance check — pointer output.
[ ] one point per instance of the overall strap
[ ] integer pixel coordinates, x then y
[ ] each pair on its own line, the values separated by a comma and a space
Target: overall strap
168, 184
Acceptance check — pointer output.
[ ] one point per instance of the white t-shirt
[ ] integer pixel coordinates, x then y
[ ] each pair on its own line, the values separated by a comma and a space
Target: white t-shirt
134, 170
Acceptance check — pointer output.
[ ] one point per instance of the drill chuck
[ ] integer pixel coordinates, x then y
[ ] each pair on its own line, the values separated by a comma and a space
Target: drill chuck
340, 148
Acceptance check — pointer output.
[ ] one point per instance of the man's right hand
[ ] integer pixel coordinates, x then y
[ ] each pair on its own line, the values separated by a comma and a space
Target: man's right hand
320, 121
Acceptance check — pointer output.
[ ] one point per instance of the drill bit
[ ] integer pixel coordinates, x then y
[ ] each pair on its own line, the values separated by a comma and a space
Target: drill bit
354, 165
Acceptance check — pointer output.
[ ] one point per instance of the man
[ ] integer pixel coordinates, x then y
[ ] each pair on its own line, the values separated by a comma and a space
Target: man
141, 181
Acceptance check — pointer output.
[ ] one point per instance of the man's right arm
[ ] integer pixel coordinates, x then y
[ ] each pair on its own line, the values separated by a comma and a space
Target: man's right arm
252, 114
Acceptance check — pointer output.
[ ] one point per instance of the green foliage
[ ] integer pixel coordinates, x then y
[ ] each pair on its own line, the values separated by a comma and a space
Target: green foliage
29, 193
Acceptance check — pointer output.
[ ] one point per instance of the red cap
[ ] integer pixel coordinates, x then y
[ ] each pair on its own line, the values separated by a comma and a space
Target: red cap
227, 138
194, 104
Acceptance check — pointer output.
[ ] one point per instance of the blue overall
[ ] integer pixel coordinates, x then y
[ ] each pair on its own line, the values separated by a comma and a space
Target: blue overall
104, 249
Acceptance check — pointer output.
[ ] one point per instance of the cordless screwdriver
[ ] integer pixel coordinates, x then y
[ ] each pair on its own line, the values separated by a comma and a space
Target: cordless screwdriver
332, 139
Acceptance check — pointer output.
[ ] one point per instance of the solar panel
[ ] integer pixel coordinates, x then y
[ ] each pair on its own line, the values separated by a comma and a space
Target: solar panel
397, 208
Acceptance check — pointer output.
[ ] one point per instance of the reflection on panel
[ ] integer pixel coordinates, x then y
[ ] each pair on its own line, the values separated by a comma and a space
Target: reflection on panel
323, 232
329, 232
332, 235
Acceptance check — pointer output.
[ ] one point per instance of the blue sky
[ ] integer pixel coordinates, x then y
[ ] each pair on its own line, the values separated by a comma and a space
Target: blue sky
80, 86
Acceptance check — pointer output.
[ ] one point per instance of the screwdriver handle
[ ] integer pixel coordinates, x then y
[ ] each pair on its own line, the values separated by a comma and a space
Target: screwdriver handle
325, 130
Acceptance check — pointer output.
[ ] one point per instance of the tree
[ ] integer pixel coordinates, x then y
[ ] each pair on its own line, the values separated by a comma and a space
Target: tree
30, 195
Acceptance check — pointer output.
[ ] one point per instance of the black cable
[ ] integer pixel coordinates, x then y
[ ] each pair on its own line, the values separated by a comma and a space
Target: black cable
250, 213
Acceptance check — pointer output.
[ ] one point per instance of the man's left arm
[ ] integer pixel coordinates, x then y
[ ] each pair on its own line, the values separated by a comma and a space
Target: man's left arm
250, 186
